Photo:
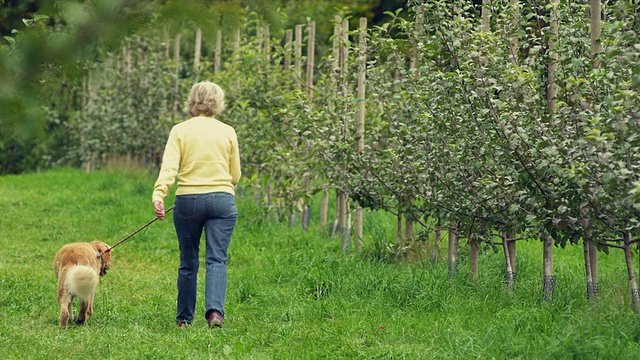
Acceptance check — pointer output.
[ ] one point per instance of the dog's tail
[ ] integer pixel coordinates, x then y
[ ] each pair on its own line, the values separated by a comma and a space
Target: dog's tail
82, 281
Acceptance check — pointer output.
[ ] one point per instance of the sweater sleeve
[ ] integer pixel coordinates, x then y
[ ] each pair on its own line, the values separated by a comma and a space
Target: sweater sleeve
234, 160
169, 167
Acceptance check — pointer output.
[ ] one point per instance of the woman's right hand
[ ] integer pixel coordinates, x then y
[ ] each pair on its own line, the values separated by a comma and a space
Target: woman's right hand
158, 207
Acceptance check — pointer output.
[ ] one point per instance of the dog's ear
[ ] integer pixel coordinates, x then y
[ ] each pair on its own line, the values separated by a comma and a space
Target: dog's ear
100, 246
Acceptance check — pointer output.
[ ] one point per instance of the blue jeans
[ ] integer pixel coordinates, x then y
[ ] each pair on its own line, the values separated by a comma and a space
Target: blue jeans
216, 213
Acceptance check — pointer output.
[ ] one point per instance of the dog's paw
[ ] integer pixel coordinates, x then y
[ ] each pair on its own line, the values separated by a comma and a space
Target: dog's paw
80, 322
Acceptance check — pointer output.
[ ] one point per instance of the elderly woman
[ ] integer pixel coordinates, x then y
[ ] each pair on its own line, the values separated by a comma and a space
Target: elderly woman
203, 153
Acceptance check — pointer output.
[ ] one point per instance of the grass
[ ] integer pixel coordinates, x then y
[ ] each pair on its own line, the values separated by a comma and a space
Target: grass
292, 294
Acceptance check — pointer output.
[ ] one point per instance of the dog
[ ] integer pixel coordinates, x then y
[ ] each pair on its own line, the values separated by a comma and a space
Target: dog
78, 267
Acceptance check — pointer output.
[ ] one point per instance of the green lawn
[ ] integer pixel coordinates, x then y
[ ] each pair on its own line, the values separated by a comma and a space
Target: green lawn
292, 295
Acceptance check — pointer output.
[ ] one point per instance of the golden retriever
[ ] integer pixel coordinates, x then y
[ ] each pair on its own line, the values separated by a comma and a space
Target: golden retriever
77, 267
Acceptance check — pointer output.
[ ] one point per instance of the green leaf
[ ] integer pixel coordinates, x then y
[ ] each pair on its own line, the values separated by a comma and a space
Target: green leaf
10, 40
513, 208
39, 17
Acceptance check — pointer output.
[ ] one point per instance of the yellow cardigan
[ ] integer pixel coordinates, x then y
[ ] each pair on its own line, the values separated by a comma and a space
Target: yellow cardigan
203, 153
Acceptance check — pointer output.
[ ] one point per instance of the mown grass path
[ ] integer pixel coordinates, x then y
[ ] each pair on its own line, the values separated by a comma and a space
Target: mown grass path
292, 295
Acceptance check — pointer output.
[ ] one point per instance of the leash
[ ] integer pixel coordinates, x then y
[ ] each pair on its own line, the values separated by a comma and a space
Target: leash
135, 232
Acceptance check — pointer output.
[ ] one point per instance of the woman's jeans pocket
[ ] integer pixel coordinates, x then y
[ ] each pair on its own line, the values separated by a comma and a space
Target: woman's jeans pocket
186, 206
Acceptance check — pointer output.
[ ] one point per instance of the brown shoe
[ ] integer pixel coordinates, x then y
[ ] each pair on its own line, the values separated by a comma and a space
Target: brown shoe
215, 319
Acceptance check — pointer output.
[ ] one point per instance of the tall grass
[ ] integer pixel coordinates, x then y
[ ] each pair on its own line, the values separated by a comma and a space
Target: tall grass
292, 294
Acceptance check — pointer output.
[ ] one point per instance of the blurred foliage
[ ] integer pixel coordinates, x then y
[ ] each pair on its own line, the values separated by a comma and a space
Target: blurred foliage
48, 46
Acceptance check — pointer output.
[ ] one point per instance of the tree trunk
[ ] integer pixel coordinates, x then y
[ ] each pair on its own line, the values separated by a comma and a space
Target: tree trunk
408, 227
590, 263
342, 222
512, 253
436, 243
593, 261
510, 274
399, 239
549, 280
324, 209
338, 223
359, 218
452, 255
306, 217
587, 266
303, 206
346, 231
474, 252
635, 293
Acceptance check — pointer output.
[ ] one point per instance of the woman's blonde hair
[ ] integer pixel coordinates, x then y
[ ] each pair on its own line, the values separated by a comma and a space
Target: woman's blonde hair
206, 98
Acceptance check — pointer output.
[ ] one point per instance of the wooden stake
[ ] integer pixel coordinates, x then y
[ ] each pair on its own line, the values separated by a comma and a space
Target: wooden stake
310, 57
344, 48
236, 44
596, 24
514, 48
553, 59
288, 39
415, 59
362, 73
198, 50
176, 60
298, 52
218, 55
337, 38
167, 45
176, 50
267, 42
486, 15
85, 95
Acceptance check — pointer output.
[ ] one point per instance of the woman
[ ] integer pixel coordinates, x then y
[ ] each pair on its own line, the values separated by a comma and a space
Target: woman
203, 153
